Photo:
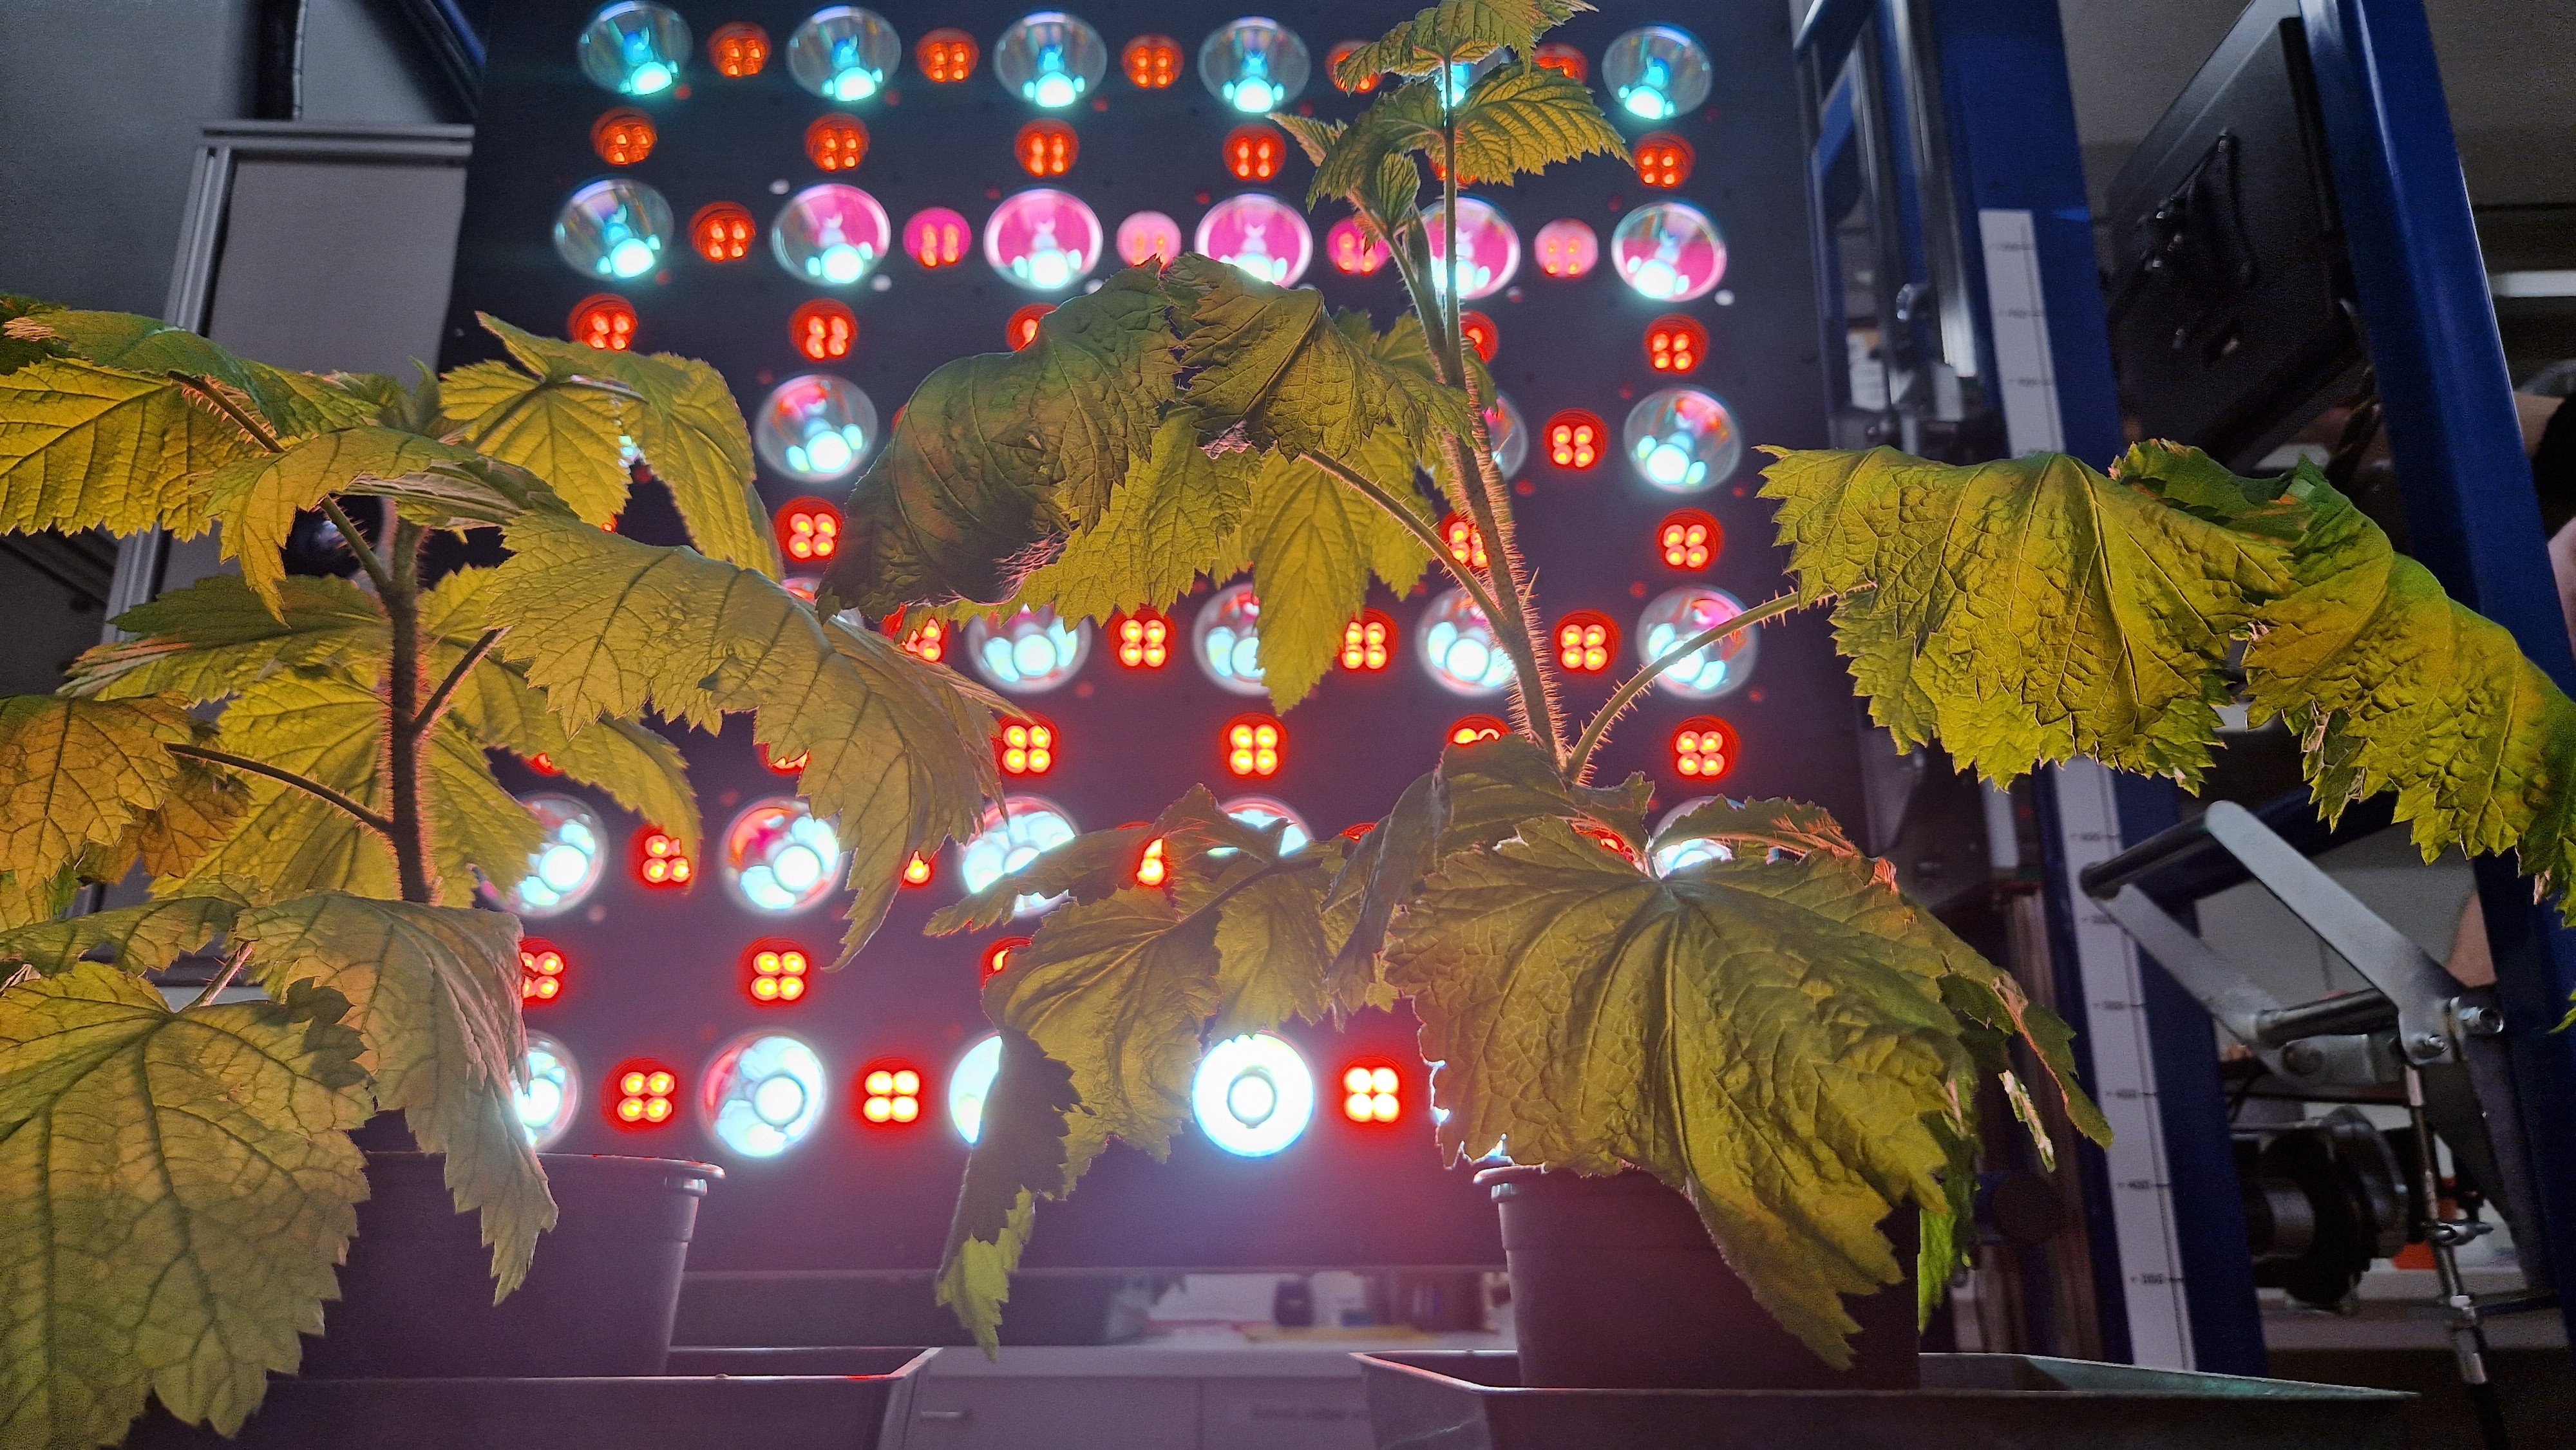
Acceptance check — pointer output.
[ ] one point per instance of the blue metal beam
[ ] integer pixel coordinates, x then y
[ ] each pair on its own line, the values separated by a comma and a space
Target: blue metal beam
2457, 445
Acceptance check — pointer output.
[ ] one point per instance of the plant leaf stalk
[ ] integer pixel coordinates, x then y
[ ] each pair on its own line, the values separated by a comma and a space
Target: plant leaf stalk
402, 692
1636, 684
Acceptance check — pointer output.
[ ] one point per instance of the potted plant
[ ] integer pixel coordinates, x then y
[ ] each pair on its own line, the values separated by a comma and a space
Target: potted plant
1775, 1035
301, 767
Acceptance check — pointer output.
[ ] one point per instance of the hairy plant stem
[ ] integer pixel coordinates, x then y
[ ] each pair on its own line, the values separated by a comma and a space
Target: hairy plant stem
436, 706
233, 963
1636, 684
358, 545
213, 394
380, 824
1412, 524
402, 607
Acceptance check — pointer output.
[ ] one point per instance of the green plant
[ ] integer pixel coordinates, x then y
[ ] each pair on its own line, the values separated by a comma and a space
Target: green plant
1781, 1035
300, 765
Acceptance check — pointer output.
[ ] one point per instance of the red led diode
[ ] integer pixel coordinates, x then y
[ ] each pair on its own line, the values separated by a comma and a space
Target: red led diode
890, 1094
605, 322
1575, 438
836, 142
645, 1096
1151, 869
774, 971
1252, 746
997, 957
809, 530
917, 871
659, 861
1689, 539
1254, 152
1466, 546
1675, 344
926, 641
1476, 730
1025, 747
823, 330
1351, 249
1368, 642
1586, 642
1372, 1092
938, 237
1022, 329
1333, 68
739, 50
1664, 160
1481, 334
1047, 148
623, 137
1152, 62
1144, 639
1704, 748
541, 970
1564, 59
947, 55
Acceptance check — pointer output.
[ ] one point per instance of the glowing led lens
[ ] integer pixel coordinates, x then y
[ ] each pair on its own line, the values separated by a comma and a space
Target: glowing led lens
1372, 1094
1489, 251
1253, 153
1252, 746
1704, 748
541, 971
1031, 653
1022, 328
1565, 60
1333, 59
836, 142
659, 861
1567, 248
550, 1097
815, 428
1253, 65
1576, 438
831, 235
1459, 647
604, 321
1015, 833
947, 55
969, 1083
764, 1094
843, 53
1152, 62
1682, 440
722, 231
1050, 59
775, 971
1226, 640
1586, 642
938, 237
1351, 249
1253, 1095
1712, 670
1509, 434
1689, 539
623, 136
1259, 235
1672, 852
739, 49
1475, 730
1144, 639
1654, 73
563, 870
1047, 147
642, 1095
1043, 240
1461, 77
634, 48
890, 1095
1668, 252
1026, 747
1368, 642
615, 228
1675, 344
1261, 813
779, 858
823, 330
1147, 236
1664, 160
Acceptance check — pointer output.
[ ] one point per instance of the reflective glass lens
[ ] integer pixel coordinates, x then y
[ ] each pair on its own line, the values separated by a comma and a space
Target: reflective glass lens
1682, 440
1043, 240
831, 235
615, 229
1261, 235
1253, 65
1710, 671
634, 48
1460, 649
778, 857
764, 1094
1030, 653
1669, 252
816, 428
1050, 60
1654, 73
564, 870
843, 53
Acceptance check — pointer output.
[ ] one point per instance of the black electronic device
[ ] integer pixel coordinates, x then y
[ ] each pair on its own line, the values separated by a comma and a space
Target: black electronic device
2231, 305
657, 983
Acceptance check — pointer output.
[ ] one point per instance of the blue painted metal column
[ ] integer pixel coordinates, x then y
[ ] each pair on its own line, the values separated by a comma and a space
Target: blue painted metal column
2457, 446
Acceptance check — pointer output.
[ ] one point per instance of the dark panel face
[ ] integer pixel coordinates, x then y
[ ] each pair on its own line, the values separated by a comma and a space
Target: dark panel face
657, 975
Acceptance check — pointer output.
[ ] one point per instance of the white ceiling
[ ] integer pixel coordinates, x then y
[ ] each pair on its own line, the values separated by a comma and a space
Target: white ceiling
2508, 67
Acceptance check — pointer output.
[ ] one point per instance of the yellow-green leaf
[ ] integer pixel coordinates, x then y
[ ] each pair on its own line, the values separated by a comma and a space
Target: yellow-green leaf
473, 822
1019, 1153
1454, 31
1314, 542
175, 1189
570, 433
434, 992
1174, 520
1767, 1036
256, 499
328, 729
2025, 612
1522, 118
214, 637
86, 447
81, 773
288, 402
137, 939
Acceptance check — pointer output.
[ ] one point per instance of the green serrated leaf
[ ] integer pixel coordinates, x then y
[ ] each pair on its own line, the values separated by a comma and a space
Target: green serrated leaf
289, 402
256, 500
1089, 867
897, 751
135, 939
1454, 31
1767, 1036
682, 418
999, 452
216, 636
1314, 542
1274, 952
568, 432
75, 774
1019, 1153
1176, 518
1385, 872
1522, 118
1762, 825
86, 447
175, 1189
474, 822
328, 729
2025, 612
434, 994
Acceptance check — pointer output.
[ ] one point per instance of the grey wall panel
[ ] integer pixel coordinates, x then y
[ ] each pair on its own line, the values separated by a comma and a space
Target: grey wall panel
337, 265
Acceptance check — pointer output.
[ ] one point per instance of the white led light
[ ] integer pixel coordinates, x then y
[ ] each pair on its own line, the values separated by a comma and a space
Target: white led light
1254, 65
779, 858
1030, 653
633, 48
831, 235
1043, 240
764, 1094
1711, 670
1654, 73
1668, 252
1680, 853
1261, 813
1258, 235
551, 1096
1050, 59
1682, 440
563, 871
613, 230
843, 53
815, 428
1459, 647
972, 1082
1225, 639
1013, 834
1253, 1095
1489, 251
